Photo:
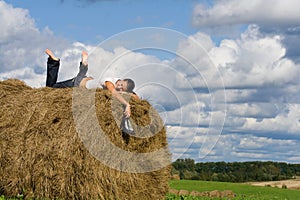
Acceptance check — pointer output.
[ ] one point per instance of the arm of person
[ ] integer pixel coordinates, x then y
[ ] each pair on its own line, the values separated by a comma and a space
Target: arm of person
132, 94
111, 87
135, 96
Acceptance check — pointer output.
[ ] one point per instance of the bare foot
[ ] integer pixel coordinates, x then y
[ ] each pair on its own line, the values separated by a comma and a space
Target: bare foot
50, 54
84, 58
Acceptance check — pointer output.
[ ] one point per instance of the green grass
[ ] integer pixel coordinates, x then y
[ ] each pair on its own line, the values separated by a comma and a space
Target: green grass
242, 191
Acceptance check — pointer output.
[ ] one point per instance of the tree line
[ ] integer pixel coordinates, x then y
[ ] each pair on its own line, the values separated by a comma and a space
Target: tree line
234, 171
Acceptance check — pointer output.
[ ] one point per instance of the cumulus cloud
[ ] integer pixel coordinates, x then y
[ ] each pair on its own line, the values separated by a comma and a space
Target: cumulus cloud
230, 12
275, 16
22, 45
256, 110
285, 122
259, 82
254, 61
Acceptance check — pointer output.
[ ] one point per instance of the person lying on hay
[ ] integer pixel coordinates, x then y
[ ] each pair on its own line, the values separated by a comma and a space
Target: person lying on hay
115, 85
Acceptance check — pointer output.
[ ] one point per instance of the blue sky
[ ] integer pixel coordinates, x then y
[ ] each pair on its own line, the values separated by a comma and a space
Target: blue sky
224, 74
93, 21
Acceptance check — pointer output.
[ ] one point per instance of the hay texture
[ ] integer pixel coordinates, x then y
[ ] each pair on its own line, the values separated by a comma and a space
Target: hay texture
67, 144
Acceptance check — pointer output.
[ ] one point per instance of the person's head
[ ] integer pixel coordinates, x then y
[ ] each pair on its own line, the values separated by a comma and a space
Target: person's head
126, 85
130, 84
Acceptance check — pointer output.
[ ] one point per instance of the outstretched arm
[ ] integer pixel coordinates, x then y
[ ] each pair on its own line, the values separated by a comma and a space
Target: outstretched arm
135, 96
132, 94
111, 87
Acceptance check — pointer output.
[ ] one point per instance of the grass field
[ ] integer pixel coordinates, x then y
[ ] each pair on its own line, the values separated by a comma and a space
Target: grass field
242, 191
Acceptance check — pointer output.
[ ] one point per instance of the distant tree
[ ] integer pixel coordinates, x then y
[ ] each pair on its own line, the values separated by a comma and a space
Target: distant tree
234, 171
187, 164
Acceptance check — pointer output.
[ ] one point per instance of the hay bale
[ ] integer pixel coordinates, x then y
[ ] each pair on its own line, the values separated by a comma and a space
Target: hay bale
227, 193
51, 147
195, 193
183, 192
173, 191
215, 193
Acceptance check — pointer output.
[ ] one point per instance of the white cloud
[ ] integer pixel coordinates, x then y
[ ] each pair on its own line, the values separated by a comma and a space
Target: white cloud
235, 147
239, 95
22, 44
229, 17
25, 74
255, 110
254, 60
191, 114
16, 22
227, 53
258, 81
230, 12
254, 142
180, 139
287, 122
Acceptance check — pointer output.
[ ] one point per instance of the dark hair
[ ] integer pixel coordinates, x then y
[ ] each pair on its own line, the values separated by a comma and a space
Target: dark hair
130, 84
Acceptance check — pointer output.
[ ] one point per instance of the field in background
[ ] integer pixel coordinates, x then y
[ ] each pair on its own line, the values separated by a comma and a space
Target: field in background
293, 184
242, 191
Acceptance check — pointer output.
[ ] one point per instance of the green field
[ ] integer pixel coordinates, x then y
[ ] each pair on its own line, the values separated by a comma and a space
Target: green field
242, 191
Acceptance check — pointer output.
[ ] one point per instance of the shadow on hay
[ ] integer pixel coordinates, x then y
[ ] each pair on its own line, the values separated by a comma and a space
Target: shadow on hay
42, 155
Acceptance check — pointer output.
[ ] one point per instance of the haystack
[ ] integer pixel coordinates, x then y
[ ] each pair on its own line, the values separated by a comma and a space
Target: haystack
67, 144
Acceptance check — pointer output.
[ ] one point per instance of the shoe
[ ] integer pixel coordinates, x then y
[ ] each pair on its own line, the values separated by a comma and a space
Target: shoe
126, 126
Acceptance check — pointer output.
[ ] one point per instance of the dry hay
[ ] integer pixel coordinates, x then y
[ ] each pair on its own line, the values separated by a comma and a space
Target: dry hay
292, 184
43, 155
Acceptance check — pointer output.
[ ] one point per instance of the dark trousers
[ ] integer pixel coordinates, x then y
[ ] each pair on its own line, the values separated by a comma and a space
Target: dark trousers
52, 74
